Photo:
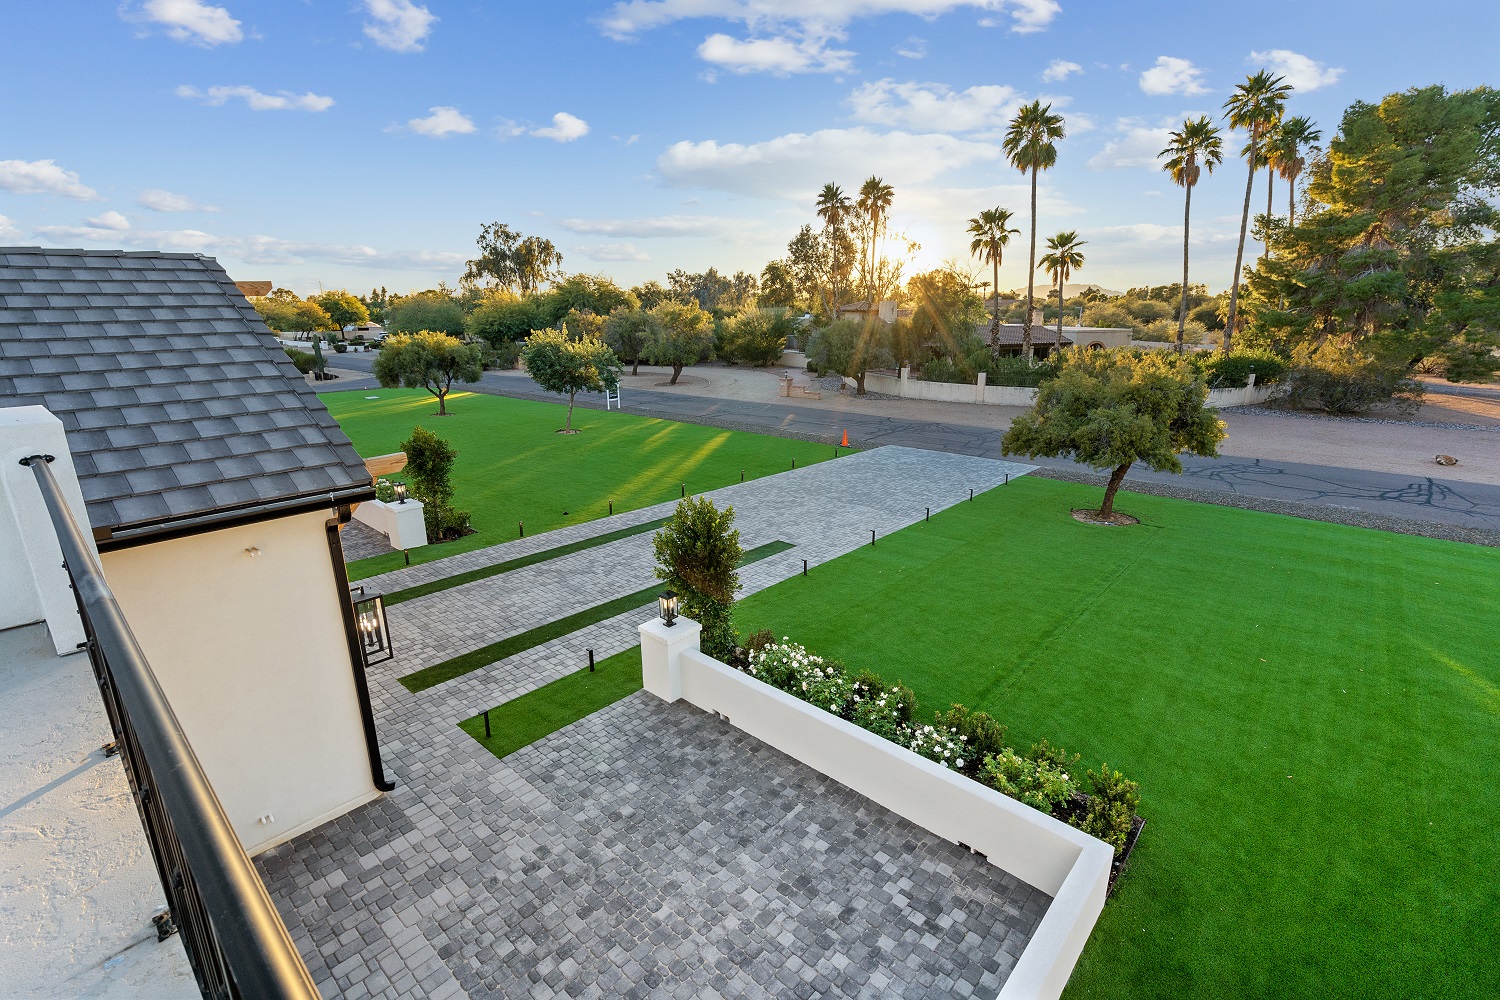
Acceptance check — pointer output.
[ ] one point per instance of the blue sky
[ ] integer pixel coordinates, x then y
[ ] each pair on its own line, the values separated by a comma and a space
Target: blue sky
358, 143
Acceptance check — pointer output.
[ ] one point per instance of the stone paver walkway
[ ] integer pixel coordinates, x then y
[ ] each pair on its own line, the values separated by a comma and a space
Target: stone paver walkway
647, 827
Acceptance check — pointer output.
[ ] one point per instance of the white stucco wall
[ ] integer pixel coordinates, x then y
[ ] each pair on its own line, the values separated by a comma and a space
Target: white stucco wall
1010, 395
243, 629
1064, 862
403, 524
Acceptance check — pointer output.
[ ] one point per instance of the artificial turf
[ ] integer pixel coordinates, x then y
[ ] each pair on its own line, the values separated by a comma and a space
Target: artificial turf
522, 721
465, 663
1312, 711
514, 467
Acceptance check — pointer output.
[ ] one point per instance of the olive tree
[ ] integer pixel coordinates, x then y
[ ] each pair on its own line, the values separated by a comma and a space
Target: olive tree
852, 348
1112, 408
683, 334
560, 364
427, 360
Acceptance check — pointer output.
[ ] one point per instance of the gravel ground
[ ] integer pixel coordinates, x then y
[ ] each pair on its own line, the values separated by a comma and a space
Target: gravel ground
1310, 512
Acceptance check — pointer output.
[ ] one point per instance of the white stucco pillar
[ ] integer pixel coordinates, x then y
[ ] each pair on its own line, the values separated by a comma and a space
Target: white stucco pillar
979, 384
34, 587
905, 377
661, 653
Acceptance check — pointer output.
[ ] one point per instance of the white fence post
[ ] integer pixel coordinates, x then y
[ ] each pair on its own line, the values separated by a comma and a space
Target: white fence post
979, 384
662, 646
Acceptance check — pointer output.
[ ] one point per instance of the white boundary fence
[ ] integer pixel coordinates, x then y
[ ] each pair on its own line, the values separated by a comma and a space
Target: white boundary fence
1065, 863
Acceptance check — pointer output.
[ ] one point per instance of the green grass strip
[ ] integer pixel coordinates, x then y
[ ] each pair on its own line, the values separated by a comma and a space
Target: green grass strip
520, 562
522, 721
436, 674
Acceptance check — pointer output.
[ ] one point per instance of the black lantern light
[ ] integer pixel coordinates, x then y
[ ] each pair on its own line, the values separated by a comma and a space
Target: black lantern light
401, 493
369, 620
667, 604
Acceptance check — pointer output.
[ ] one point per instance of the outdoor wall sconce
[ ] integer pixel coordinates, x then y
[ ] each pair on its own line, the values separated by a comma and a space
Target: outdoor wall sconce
369, 619
667, 604
401, 493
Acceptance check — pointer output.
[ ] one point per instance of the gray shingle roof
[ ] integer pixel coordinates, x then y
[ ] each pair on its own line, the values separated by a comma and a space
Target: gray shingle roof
1013, 333
176, 398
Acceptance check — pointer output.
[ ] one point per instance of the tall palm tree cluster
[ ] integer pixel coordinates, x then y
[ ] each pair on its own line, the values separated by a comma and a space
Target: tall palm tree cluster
1279, 144
863, 219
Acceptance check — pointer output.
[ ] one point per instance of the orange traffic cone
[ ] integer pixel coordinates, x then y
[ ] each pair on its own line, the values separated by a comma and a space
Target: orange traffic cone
846, 439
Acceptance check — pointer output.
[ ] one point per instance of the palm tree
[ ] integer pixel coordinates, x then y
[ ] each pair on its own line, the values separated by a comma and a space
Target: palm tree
1061, 260
991, 231
1029, 146
1194, 148
874, 204
834, 208
1294, 138
1256, 107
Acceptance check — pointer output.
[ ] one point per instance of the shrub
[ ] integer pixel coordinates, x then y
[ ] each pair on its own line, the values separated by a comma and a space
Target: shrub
1232, 371
505, 356
980, 734
1015, 370
939, 744
756, 336
1346, 380
944, 370
340, 347
884, 714
697, 552
385, 491
429, 467
1113, 803
304, 360
1036, 781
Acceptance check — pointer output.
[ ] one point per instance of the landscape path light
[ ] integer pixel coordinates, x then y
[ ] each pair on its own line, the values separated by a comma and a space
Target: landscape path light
667, 607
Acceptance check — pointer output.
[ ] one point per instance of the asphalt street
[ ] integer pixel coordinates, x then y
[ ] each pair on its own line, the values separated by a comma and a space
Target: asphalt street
1452, 502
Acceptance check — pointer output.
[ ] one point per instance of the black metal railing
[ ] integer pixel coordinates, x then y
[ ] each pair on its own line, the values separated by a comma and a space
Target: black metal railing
234, 938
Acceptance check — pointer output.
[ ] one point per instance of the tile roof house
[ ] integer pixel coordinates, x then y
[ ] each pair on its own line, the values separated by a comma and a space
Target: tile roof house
216, 484
176, 399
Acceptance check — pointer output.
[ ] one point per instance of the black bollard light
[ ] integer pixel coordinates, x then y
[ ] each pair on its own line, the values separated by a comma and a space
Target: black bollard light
521, 527
591, 661
804, 567
486, 723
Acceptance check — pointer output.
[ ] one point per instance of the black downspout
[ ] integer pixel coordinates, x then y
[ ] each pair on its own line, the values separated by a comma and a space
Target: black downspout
356, 651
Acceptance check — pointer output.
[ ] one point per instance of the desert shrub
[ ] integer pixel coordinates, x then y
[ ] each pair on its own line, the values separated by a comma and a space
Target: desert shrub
1346, 380
304, 360
755, 336
1037, 782
1016, 370
944, 370
1232, 371
429, 472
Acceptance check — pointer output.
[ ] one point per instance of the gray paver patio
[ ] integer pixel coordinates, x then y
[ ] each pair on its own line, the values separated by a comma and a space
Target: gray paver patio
518, 877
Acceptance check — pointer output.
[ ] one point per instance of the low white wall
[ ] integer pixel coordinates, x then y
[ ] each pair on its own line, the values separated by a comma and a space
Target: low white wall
33, 585
1067, 864
1014, 395
793, 359
243, 629
402, 524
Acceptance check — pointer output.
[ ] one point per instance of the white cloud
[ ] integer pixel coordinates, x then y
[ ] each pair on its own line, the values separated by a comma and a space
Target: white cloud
797, 165
8, 230
564, 128
43, 177
1136, 145
1060, 69
913, 48
778, 56
110, 220
398, 25
662, 225
1171, 75
191, 21
282, 100
933, 106
442, 121
158, 200
1302, 72
610, 252
1030, 16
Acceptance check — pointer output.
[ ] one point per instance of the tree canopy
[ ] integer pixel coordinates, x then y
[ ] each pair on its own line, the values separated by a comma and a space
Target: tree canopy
627, 332
510, 260
683, 333
562, 364
428, 360
434, 310
852, 348
343, 309
1112, 408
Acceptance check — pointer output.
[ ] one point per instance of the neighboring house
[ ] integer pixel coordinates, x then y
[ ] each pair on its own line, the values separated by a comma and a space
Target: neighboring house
1044, 338
887, 311
215, 485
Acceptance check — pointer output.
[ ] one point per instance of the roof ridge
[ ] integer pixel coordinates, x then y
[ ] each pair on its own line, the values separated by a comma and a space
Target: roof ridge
88, 252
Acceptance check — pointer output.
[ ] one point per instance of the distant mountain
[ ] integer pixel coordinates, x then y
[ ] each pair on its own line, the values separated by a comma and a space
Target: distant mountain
1068, 291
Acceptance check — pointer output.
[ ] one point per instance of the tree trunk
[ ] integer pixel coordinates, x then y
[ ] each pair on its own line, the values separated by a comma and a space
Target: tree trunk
1107, 509
995, 323
859, 384
1291, 199
442, 402
1030, 276
676, 371
569, 425
635, 366
1187, 208
1060, 276
1270, 190
1239, 255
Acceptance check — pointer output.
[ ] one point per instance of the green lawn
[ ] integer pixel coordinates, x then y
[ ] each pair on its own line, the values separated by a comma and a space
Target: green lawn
513, 466
1312, 710
522, 721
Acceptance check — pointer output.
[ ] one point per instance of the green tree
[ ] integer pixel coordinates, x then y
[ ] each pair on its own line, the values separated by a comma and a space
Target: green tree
852, 348
343, 309
505, 318
778, 286
1256, 107
946, 311
593, 293
510, 260
428, 360
1029, 144
432, 310
873, 206
758, 335
650, 294
1295, 140
697, 555
429, 470
627, 332
1194, 148
991, 231
562, 364
682, 334
1061, 259
1112, 408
